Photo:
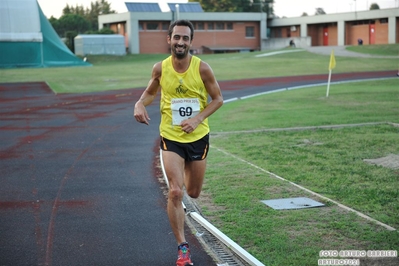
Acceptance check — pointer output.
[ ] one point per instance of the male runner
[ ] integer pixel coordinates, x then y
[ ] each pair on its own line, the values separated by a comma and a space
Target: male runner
185, 82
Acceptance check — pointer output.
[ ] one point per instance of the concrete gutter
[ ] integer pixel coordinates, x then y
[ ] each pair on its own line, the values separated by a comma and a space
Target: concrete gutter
251, 260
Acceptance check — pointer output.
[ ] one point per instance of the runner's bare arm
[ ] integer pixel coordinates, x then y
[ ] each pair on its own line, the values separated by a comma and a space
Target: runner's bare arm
140, 112
213, 89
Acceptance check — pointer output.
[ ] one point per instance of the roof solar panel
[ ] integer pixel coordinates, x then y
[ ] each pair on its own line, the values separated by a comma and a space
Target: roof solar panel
186, 7
143, 7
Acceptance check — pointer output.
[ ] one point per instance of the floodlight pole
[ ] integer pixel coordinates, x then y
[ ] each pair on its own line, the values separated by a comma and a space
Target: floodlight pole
177, 11
355, 10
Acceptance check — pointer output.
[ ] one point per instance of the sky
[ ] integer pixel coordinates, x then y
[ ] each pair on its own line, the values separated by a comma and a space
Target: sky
282, 8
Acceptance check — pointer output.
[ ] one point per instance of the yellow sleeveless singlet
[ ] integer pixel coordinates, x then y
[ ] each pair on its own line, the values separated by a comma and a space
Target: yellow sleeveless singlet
183, 95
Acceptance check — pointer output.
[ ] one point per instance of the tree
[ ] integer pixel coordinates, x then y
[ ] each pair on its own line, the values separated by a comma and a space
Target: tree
76, 20
54, 22
222, 5
103, 7
69, 26
320, 11
265, 6
104, 30
98, 8
304, 14
237, 5
73, 22
374, 6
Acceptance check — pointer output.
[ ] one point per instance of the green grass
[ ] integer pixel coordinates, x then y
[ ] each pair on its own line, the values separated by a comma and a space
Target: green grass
107, 73
133, 71
349, 103
382, 49
327, 161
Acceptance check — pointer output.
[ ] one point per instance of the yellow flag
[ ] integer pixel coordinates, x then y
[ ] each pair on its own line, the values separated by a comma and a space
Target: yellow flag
332, 60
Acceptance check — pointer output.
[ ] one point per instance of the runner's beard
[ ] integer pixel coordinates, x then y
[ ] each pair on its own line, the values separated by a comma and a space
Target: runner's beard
181, 54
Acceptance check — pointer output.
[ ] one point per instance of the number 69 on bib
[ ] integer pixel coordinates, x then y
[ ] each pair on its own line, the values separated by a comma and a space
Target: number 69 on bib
184, 108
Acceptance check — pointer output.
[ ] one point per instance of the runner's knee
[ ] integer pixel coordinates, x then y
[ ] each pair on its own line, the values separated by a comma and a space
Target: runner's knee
176, 194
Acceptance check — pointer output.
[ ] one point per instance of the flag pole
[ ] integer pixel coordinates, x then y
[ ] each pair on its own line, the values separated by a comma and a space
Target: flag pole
328, 84
330, 67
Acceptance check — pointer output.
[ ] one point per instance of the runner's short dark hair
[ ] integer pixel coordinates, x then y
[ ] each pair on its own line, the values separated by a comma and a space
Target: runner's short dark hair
182, 22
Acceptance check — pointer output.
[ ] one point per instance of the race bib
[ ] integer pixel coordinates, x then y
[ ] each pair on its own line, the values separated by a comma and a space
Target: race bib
184, 108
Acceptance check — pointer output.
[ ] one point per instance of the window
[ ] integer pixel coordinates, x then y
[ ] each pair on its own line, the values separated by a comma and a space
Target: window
141, 26
199, 26
219, 25
152, 26
250, 31
165, 26
278, 33
229, 25
210, 26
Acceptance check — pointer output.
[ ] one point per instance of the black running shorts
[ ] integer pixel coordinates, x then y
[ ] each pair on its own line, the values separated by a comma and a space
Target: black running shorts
193, 151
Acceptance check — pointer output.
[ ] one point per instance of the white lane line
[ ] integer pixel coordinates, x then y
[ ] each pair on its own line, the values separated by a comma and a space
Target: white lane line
307, 190
279, 52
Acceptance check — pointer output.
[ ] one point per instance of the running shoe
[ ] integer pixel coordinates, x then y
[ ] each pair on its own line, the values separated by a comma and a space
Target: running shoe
183, 257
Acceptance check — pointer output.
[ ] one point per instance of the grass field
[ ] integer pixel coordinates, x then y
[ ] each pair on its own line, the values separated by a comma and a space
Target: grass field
327, 161
384, 50
133, 71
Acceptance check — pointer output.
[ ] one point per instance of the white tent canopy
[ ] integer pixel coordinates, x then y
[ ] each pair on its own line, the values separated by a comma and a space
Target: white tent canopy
20, 21
27, 38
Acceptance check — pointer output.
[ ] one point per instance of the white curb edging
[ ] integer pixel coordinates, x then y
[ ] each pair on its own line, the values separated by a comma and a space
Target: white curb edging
226, 240
214, 231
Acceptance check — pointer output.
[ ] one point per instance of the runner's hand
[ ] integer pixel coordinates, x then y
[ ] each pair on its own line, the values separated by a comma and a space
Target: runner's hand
189, 125
140, 113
